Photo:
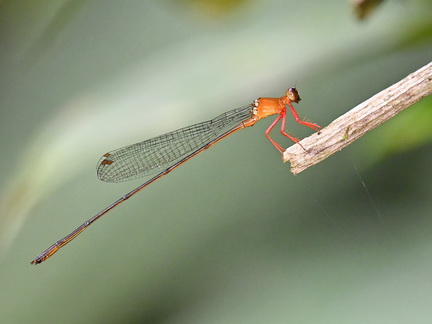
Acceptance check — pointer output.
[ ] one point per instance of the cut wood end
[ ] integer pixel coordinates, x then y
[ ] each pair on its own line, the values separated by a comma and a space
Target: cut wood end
358, 121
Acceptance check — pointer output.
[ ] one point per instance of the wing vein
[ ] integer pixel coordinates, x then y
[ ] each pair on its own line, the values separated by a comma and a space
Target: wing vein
158, 153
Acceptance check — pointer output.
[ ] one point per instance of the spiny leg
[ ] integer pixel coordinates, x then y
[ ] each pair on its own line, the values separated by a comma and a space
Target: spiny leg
267, 133
282, 130
302, 122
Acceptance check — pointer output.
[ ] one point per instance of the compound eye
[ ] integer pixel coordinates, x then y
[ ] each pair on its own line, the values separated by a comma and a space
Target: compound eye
293, 95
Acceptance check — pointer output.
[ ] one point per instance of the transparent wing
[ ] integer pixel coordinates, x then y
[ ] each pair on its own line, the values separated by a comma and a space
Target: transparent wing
158, 153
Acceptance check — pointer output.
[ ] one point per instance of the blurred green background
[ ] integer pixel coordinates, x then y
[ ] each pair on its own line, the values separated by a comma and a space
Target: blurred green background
232, 236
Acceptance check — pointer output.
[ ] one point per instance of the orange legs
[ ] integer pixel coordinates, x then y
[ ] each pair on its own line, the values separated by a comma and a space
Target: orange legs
282, 116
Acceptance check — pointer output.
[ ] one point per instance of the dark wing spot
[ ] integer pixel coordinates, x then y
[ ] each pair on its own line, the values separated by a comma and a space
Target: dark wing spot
107, 162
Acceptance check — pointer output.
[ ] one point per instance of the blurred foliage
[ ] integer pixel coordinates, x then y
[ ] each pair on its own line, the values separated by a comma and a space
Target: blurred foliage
404, 133
212, 8
364, 8
416, 35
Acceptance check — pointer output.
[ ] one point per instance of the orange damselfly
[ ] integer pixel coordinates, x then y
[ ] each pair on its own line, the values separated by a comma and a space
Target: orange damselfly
164, 153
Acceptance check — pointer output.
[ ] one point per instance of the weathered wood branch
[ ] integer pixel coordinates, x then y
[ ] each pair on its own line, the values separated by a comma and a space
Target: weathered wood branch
359, 120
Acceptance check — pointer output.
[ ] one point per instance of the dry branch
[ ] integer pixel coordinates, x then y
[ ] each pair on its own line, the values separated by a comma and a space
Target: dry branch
359, 120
